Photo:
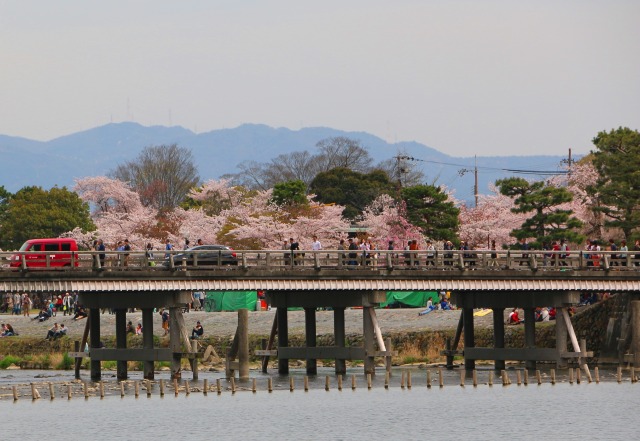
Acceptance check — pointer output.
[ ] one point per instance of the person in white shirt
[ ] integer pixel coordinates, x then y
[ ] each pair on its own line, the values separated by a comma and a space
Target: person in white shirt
316, 245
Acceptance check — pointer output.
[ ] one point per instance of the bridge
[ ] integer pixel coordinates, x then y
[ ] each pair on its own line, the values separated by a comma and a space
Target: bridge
336, 279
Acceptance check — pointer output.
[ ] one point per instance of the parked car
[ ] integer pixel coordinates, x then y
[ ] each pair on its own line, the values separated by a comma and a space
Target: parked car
42, 253
201, 255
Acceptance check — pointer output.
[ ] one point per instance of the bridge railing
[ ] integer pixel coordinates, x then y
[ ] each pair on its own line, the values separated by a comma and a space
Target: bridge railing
447, 260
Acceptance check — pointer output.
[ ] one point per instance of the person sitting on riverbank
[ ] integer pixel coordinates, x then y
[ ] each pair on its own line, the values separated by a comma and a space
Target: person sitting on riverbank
80, 314
138, 330
7, 330
129, 329
430, 308
514, 318
43, 315
197, 332
52, 332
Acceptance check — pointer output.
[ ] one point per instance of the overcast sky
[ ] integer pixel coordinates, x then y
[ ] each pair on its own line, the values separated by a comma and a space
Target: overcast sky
465, 77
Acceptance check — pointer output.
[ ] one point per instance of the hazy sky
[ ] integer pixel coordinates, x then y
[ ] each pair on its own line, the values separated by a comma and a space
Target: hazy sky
465, 77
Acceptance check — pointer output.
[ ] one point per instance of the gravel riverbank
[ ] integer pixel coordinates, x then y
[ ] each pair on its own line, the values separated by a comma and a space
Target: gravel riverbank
222, 324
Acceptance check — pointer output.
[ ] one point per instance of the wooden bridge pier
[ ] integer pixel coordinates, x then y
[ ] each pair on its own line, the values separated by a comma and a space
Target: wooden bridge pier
146, 301
528, 301
338, 301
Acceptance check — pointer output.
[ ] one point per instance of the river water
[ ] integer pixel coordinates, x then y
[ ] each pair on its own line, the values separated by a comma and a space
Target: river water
563, 411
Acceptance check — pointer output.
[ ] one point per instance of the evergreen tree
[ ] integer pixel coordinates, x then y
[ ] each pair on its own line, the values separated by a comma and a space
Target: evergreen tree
548, 221
430, 209
36, 213
617, 189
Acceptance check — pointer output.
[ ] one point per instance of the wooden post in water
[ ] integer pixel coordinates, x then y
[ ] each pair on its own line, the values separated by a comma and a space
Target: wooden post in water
34, 392
538, 377
14, 388
369, 384
269, 385
340, 382
490, 378
462, 377
553, 376
291, 385
386, 380
187, 388
219, 386
635, 331
162, 387
597, 373
577, 375
409, 380
619, 374
353, 382
233, 385
518, 379
475, 378
194, 361
428, 378
402, 380
440, 379
68, 391
205, 386
86, 390
52, 393
121, 389
254, 386
526, 377
306, 383
101, 389
570, 375
326, 383
136, 388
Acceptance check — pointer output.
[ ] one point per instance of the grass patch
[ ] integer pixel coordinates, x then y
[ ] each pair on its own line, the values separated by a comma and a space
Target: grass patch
9, 360
66, 363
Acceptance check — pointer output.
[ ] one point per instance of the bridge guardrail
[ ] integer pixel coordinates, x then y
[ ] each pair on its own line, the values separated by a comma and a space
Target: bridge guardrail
397, 260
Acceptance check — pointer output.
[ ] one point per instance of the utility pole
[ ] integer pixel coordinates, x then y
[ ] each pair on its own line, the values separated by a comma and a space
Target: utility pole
475, 185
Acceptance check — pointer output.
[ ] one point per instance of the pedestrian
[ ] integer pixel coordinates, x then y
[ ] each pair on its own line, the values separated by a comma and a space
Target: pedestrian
168, 247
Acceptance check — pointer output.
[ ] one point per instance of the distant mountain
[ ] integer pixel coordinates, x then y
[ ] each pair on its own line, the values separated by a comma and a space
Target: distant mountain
96, 151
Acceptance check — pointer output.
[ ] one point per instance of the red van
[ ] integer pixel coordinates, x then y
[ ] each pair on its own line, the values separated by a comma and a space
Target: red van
47, 253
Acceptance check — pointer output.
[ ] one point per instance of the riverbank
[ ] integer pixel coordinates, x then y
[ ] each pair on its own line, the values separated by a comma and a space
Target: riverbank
418, 339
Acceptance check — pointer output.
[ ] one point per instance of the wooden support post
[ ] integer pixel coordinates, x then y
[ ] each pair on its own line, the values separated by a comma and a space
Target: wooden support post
194, 362
162, 387
619, 374
52, 393
291, 384
219, 386
353, 382
570, 375
538, 377
35, 395
176, 388
306, 383
498, 335
530, 334
94, 316
69, 392
428, 379
147, 341
85, 390
561, 339
490, 381
518, 378
14, 388
469, 339
78, 360
187, 388
635, 330
462, 378
369, 382
283, 339
402, 380
440, 378
340, 382
243, 344
148, 386
553, 376
408, 379
339, 336
597, 374
269, 345
101, 389
327, 383
136, 388
386, 380
254, 386
387, 358
121, 342
269, 384
233, 385
205, 387
526, 377
574, 341
121, 389
368, 337
310, 337
175, 343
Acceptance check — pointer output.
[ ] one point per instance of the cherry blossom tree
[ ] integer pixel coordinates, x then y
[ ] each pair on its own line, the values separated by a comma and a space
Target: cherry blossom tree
385, 222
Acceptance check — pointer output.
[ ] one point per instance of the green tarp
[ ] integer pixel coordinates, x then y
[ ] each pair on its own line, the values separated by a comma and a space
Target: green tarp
230, 300
415, 299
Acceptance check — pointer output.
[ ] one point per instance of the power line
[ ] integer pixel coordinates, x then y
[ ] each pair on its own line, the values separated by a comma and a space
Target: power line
469, 168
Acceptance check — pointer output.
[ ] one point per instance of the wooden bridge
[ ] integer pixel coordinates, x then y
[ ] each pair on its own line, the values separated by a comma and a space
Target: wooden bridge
335, 279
